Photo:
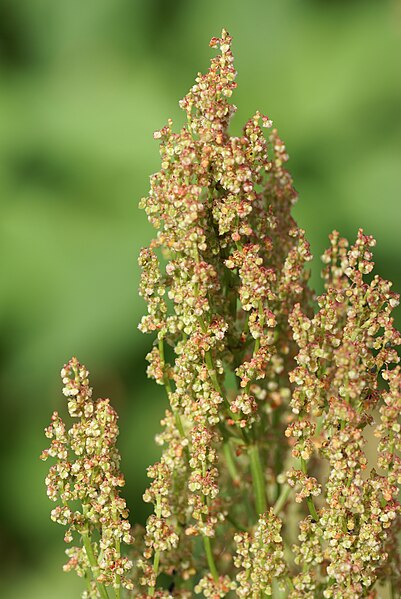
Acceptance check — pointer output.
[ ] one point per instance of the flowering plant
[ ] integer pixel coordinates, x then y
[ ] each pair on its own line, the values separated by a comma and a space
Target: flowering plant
263, 487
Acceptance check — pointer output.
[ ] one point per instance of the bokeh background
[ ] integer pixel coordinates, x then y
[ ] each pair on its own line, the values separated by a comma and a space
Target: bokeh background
83, 85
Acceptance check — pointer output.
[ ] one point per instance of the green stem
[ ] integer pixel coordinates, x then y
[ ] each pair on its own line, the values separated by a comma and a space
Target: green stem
218, 389
88, 582
278, 452
94, 565
156, 562
156, 557
257, 479
236, 524
212, 373
206, 540
209, 556
312, 509
232, 468
278, 506
167, 386
309, 500
117, 588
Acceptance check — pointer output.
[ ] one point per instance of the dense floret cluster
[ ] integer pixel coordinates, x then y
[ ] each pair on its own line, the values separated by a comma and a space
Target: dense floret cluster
85, 483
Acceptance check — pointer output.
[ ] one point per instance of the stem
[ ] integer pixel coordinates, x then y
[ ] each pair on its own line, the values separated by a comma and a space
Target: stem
256, 346
232, 468
117, 588
236, 524
94, 565
309, 500
209, 556
218, 389
156, 561
312, 509
278, 454
257, 479
167, 386
212, 373
206, 540
278, 506
156, 557
88, 582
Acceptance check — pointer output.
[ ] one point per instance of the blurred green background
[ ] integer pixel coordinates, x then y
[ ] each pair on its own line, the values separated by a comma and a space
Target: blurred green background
83, 85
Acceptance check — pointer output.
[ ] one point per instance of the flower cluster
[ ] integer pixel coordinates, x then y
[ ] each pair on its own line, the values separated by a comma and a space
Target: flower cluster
86, 474
268, 481
345, 351
260, 557
222, 275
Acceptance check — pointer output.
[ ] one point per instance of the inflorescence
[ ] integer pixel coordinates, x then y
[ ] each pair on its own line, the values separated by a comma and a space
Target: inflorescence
85, 483
264, 486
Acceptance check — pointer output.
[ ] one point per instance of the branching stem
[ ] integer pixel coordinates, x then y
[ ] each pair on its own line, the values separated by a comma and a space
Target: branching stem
209, 556
280, 503
257, 479
309, 500
156, 557
94, 565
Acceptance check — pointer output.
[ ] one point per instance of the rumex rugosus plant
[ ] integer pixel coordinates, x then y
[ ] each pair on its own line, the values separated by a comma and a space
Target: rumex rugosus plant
263, 487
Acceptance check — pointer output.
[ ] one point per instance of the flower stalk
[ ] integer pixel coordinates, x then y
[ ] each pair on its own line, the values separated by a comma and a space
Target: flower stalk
258, 479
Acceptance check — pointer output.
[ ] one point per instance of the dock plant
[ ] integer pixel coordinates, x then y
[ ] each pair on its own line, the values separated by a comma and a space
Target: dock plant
280, 447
